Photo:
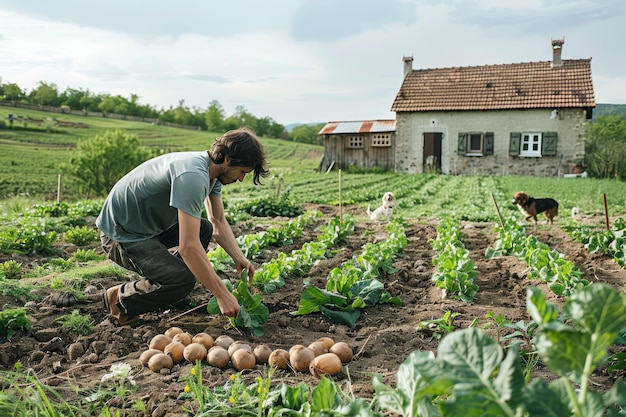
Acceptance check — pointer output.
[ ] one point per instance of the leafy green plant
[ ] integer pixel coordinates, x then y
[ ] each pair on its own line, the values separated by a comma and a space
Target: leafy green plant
18, 290
29, 237
59, 209
521, 333
13, 320
611, 242
546, 264
471, 375
271, 274
252, 244
440, 326
354, 286
76, 323
80, 235
455, 273
253, 313
11, 269
82, 255
236, 398
271, 206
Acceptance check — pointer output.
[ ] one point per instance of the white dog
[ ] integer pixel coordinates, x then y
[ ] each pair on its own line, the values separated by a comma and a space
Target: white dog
385, 211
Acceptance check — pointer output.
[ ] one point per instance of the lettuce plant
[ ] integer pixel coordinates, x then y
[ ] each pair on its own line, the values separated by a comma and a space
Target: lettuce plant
472, 375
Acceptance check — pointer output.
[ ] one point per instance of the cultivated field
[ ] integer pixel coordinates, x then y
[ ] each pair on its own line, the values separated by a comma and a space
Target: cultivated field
464, 224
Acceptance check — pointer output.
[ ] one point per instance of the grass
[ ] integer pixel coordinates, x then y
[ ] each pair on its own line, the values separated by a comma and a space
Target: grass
31, 154
30, 157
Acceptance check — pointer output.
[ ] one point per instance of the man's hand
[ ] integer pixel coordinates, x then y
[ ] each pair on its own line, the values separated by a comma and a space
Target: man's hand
248, 268
229, 306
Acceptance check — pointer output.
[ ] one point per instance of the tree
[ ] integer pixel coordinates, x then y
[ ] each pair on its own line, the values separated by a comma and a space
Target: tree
114, 104
214, 116
13, 92
306, 134
101, 161
605, 147
45, 94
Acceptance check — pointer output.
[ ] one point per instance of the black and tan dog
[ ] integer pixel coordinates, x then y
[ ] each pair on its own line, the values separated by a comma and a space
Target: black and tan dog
531, 206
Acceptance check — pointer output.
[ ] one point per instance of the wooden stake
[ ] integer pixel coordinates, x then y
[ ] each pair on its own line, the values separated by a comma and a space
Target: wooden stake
606, 213
497, 210
59, 189
340, 204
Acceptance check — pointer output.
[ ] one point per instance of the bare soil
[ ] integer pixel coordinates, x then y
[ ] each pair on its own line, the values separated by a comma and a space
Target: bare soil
381, 339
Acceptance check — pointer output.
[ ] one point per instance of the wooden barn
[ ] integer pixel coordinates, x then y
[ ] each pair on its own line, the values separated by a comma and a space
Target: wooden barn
359, 144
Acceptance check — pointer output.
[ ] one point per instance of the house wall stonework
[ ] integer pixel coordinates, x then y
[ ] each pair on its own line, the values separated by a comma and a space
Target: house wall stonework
569, 125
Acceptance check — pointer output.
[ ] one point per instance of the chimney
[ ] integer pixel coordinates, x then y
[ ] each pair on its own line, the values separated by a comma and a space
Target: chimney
557, 47
408, 64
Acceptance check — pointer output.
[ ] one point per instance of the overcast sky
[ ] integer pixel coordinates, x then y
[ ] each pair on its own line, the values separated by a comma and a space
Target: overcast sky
296, 61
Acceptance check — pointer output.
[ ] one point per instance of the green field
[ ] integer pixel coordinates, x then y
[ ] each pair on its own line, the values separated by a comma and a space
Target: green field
31, 155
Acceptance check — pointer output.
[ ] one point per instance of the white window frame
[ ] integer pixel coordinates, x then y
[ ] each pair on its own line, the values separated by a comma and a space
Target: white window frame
475, 152
530, 144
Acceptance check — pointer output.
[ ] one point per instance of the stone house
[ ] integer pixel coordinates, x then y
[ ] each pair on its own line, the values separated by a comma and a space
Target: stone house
523, 119
358, 144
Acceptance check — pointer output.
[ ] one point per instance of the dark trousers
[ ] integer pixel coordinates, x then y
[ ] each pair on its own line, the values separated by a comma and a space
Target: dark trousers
165, 278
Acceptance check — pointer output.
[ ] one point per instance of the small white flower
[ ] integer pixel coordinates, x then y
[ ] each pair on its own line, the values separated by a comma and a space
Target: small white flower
119, 371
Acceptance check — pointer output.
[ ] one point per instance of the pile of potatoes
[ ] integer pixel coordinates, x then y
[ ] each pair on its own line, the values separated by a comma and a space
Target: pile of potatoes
322, 357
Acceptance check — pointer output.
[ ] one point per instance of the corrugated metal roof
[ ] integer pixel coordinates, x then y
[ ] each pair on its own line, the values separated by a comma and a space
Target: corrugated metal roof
496, 87
363, 126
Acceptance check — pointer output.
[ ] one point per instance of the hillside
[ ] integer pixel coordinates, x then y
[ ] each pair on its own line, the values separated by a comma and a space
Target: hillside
38, 142
607, 109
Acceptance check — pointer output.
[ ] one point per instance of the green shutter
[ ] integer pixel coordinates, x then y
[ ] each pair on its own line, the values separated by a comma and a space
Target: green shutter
488, 145
548, 144
462, 145
514, 143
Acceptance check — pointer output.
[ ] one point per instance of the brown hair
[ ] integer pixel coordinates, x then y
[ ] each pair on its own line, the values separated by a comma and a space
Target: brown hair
243, 149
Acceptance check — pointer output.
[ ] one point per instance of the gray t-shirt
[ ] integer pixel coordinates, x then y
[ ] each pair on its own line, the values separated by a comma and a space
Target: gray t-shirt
145, 202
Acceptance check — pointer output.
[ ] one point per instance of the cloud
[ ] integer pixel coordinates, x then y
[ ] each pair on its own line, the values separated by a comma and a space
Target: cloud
294, 60
328, 20
156, 17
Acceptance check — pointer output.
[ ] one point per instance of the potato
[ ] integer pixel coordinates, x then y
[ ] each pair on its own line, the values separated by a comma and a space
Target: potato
160, 361
173, 331
243, 359
195, 352
159, 342
146, 355
318, 348
342, 350
218, 357
300, 358
204, 338
327, 342
325, 364
175, 350
223, 341
238, 345
262, 353
184, 338
279, 358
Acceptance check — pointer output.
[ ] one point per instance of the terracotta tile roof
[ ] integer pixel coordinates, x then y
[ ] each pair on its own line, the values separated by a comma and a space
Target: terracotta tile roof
364, 126
495, 87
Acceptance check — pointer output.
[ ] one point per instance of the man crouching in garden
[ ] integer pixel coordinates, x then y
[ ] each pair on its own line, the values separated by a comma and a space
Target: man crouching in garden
151, 223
